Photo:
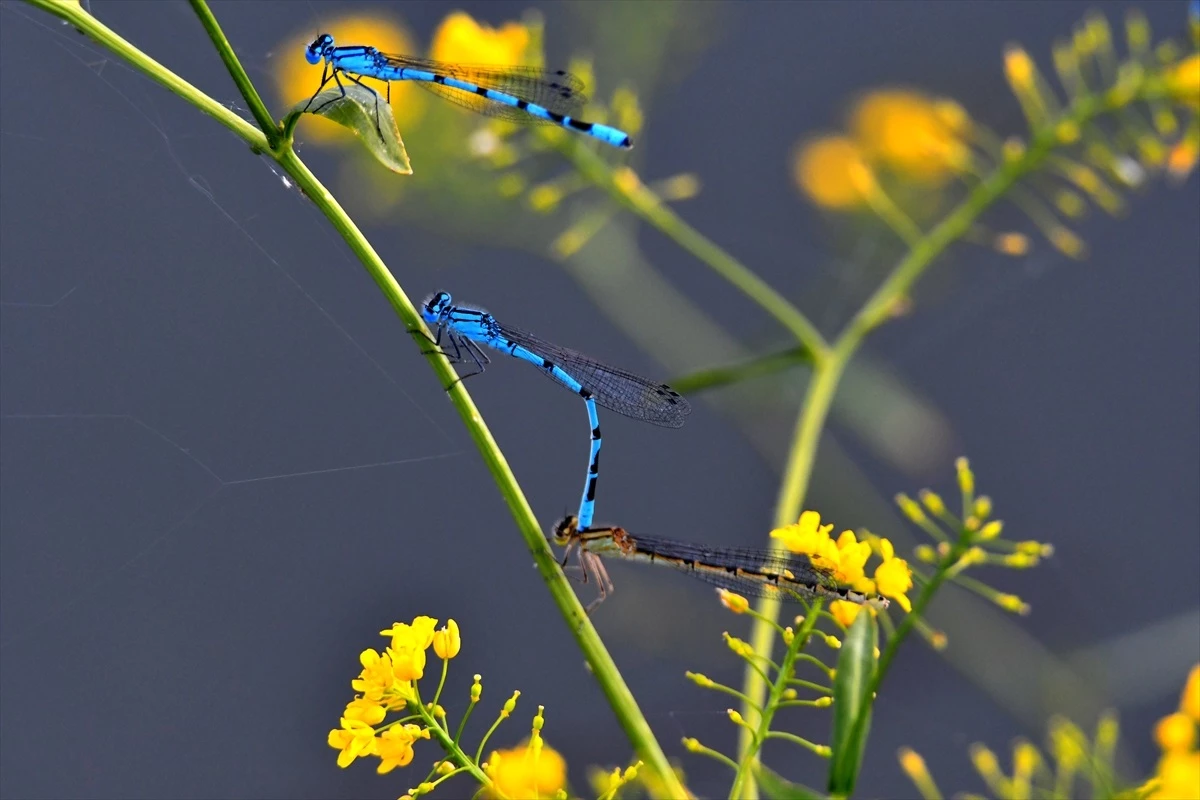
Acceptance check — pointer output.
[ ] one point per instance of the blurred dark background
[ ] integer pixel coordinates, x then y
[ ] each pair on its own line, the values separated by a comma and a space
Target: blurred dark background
225, 466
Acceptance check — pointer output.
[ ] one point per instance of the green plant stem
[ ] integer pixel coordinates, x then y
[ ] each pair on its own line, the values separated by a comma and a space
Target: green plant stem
638, 198
601, 663
262, 116
716, 377
828, 371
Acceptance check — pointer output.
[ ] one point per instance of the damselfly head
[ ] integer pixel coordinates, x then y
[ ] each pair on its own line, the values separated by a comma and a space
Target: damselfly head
319, 47
435, 304
566, 529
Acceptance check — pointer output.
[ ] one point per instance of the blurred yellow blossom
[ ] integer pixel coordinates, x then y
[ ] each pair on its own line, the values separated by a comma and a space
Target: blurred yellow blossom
296, 79
918, 136
1012, 244
1183, 157
1175, 732
822, 169
526, 771
1184, 81
914, 766
1178, 772
1178, 776
461, 39
1018, 68
1066, 242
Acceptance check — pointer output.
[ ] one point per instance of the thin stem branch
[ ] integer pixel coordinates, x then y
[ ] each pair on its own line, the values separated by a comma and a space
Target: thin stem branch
451, 747
262, 116
638, 198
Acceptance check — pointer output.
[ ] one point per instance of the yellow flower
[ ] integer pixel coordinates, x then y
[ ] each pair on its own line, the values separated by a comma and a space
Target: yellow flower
1178, 776
1018, 68
296, 79
911, 133
807, 536
447, 642
460, 38
376, 677
395, 746
844, 612
354, 739
409, 643
527, 772
823, 169
893, 577
1184, 81
365, 710
1176, 732
852, 557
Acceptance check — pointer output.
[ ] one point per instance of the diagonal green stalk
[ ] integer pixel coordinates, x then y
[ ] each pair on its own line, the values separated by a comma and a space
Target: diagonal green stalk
598, 658
257, 108
624, 186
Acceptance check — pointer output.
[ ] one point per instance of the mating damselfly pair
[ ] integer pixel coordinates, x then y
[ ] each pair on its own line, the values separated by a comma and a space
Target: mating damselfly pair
462, 333
521, 94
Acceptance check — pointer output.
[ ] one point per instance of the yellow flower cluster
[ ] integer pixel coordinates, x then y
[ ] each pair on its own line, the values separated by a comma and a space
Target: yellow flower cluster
846, 558
916, 138
387, 682
1178, 735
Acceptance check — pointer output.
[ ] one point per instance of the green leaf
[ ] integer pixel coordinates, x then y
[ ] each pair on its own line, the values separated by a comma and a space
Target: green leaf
716, 377
855, 666
357, 112
776, 787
